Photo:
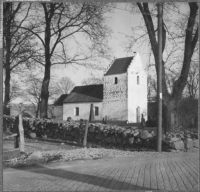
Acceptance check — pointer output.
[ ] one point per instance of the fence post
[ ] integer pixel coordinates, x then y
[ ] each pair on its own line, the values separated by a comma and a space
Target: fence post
85, 135
21, 133
16, 138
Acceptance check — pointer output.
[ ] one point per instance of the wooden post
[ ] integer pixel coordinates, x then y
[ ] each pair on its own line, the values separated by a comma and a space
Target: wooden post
16, 138
159, 78
85, 135
21, 133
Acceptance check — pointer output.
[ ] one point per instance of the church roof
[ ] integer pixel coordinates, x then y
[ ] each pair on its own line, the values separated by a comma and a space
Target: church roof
59, 101
119, 66
87, 93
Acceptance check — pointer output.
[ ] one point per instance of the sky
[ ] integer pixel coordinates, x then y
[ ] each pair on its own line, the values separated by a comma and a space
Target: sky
121, 21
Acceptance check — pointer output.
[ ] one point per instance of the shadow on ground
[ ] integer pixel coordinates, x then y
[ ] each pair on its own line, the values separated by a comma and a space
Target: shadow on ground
96, 181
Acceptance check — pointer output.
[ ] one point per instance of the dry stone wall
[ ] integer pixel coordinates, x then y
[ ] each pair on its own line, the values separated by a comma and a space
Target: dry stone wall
101, 134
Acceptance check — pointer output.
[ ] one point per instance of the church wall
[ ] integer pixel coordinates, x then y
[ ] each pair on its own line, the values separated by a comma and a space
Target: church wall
84, 110
137, 93
58, 112
115, 97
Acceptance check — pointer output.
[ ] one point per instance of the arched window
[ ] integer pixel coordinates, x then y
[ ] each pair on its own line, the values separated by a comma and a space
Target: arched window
138, 80
116, 80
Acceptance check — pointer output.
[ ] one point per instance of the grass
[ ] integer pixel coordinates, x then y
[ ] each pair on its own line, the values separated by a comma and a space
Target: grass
13, 158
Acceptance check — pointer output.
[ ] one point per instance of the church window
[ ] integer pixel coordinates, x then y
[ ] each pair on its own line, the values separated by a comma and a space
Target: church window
96, 111
76, 111
116, 80
138, 80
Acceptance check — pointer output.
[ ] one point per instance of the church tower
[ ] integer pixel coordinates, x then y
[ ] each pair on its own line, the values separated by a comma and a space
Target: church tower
125, 90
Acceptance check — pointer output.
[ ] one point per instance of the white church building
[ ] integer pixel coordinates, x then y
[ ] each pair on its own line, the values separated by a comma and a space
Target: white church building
121, 97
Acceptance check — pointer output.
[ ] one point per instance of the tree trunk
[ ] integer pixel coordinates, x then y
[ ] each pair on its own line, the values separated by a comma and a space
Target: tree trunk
7, 91
45, 93
47, 72
7, 56
191, 38
172, 116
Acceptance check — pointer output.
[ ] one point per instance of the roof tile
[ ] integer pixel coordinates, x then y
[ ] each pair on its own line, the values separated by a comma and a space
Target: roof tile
59, 101
119, 66
88, 93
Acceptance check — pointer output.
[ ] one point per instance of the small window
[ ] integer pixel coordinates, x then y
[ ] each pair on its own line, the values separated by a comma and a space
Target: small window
76, 111
138, 80
116, 80
96, 111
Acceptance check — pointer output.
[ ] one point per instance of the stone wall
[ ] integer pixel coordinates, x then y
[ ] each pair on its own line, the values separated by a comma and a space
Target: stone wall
101, 134
115, 97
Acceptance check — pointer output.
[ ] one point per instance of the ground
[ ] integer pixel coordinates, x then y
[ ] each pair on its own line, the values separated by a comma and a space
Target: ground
114, 169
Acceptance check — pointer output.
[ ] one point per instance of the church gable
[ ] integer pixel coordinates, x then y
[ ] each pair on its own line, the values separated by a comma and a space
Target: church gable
119, 66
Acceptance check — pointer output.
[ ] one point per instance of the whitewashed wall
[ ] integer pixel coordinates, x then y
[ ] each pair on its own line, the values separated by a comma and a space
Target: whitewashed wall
137, 94
84, 110
58, 112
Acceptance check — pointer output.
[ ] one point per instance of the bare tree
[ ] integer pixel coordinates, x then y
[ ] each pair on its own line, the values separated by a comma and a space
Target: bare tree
32, 91
58, 22
64, 86
182, 33
17, 43
192, 85
15, 90
152, 88
92, 80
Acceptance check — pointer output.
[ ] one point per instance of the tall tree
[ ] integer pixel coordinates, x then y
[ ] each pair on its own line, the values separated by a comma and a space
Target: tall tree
187, 29
17, 43
58, 22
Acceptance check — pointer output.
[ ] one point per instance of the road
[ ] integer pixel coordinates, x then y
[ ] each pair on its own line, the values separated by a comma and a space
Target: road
168, 171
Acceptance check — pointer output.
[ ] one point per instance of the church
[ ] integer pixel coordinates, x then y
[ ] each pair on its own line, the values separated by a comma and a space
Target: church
121, 97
